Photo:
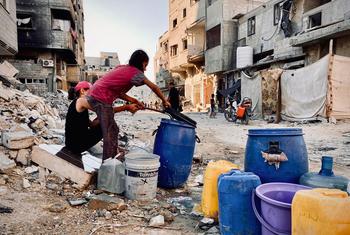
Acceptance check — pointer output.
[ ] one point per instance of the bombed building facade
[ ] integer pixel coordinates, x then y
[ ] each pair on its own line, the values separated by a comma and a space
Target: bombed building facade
50, 44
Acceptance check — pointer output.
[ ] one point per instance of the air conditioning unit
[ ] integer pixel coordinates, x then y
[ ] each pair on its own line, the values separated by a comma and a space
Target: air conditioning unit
47, 63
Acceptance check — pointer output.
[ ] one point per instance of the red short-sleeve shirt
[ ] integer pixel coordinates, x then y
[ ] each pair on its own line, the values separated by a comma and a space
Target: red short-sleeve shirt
119, 80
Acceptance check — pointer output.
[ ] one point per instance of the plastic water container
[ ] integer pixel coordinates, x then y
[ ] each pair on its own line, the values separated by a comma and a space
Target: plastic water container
236, 215
111, 176
321, 211
210, 201
244, 56
276, 201
325, 178
174, 143
141, 173
279, 143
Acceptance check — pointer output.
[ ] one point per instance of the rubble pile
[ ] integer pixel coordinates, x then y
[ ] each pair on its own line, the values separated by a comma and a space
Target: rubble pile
25, 120
59, 101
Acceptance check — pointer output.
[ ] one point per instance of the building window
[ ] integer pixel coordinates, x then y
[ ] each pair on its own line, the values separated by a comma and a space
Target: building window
251, 26
184, 44
184, 13
213, 36
315, 20
165, 46
174, 23
173, 50
60, 20
277, 13
24, 21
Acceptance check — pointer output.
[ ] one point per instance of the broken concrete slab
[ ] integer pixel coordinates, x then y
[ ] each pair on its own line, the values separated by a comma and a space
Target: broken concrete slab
157, 221
62, 167
5, 162
17, 140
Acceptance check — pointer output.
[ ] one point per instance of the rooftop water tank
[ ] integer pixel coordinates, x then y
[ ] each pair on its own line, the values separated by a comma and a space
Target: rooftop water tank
244, 56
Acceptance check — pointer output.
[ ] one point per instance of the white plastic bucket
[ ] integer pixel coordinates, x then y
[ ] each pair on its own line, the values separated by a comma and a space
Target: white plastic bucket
141, 175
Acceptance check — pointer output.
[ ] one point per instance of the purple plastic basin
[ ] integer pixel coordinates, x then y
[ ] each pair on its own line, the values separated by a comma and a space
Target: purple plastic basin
276, 201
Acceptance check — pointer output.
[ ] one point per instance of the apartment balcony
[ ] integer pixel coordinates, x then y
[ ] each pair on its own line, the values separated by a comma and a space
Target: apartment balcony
195, 53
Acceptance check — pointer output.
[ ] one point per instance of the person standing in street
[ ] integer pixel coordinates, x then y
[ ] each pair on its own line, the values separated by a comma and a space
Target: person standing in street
114, 85
174, 97
212, 107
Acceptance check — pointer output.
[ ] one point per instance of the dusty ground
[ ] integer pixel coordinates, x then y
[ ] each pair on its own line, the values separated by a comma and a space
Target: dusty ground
32, 207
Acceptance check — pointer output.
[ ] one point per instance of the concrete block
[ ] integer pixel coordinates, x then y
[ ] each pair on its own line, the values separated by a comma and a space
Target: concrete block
60, 166
17, 140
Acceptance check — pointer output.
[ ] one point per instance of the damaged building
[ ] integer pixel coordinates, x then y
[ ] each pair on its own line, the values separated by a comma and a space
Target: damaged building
180, 52
50, 44
96, 67
292, 49
221, 34
8, 29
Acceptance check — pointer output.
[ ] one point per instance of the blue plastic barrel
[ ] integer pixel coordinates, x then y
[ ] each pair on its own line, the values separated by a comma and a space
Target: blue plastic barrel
236, 214
288, 141
174, 143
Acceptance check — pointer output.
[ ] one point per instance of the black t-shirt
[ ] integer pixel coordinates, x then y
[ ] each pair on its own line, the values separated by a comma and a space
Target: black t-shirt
174, 98
77, 125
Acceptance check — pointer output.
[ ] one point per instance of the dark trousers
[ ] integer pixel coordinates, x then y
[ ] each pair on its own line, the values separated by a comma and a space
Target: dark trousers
109, 127
90, 139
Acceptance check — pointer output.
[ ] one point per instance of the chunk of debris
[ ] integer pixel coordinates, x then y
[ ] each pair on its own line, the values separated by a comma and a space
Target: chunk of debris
5, 162
31, 169
104, 201
26, 183
57, 207
17, 140
23, 157
77, 202
157, 221
62, 167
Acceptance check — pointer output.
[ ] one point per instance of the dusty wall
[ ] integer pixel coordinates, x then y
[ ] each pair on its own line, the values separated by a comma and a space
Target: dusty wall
8, 29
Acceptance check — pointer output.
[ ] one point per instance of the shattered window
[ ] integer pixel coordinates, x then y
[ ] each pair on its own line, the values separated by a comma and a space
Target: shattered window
174, 23
251, 26
184, 44
24, 21
62, 25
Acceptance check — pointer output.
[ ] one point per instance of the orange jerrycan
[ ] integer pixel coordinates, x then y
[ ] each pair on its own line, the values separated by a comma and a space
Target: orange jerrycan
321, 212
210, 201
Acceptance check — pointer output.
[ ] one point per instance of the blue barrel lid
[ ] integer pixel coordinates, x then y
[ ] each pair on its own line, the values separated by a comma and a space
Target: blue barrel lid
275, 132
176, 123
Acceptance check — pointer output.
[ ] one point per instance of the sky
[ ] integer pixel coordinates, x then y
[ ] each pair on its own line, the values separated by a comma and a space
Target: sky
124, 26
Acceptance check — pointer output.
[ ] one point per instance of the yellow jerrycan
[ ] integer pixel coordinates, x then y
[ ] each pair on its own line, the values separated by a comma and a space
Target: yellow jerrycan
321, 211
210, 201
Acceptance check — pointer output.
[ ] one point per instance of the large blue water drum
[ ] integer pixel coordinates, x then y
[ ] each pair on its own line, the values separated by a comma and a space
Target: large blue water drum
236, 215
288, 142
174, 143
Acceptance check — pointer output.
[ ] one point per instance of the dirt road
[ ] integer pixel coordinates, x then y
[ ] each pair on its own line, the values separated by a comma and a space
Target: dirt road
44, 209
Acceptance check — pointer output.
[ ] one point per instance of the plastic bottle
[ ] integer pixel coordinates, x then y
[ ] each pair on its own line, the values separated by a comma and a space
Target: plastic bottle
325, 178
